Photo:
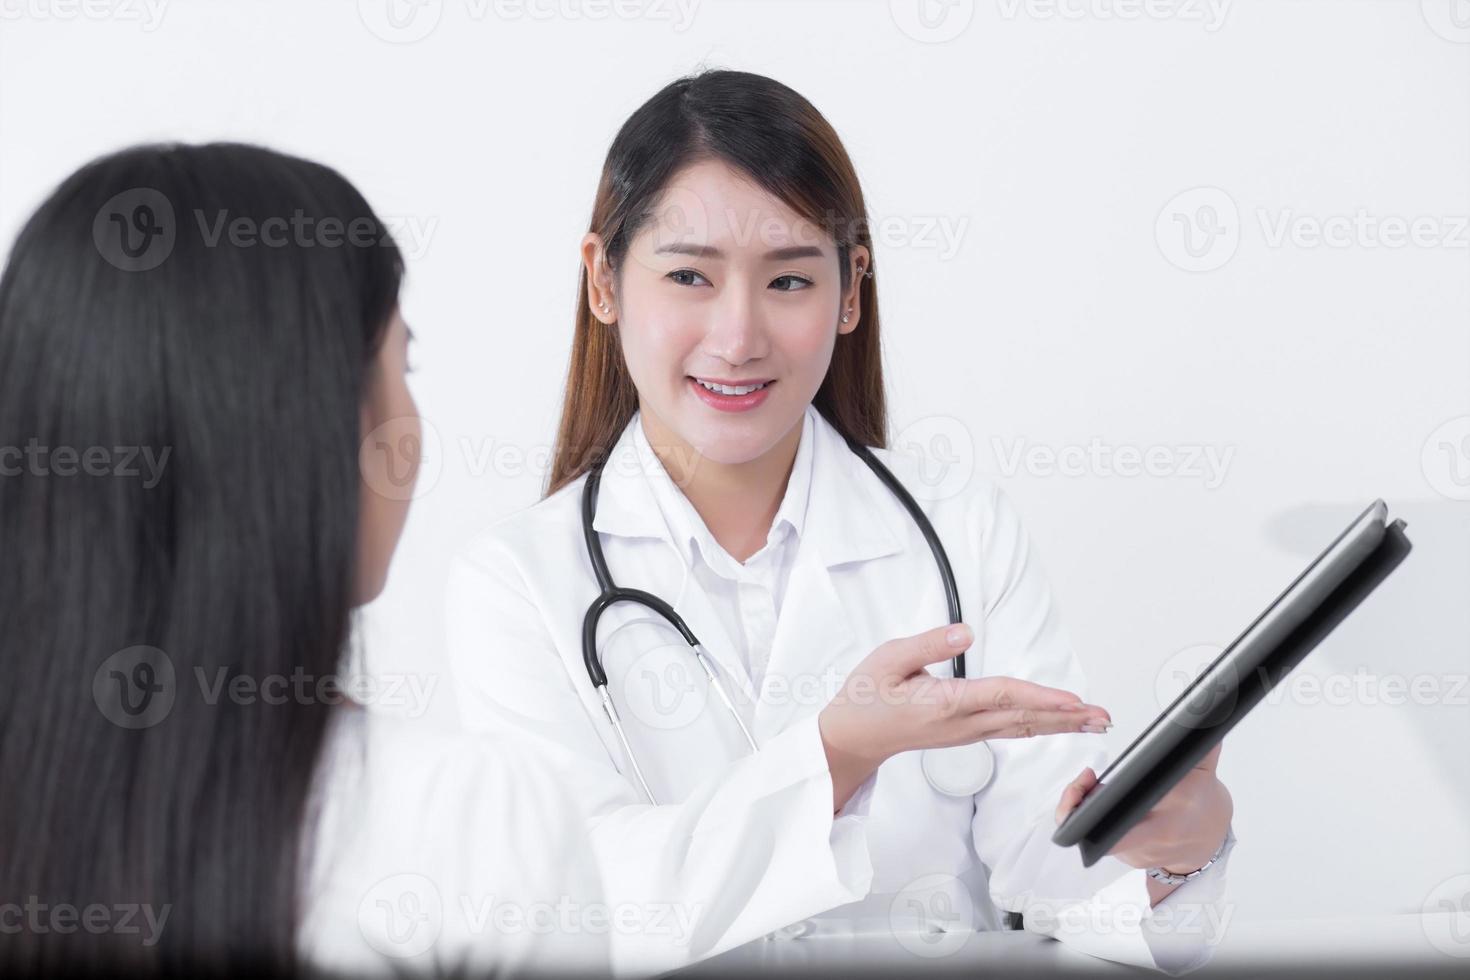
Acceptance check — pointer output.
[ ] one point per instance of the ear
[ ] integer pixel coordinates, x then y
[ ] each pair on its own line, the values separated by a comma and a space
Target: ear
858, 262
599, 279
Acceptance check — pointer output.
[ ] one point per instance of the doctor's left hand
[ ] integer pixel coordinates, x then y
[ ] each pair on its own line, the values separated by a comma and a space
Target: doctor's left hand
1182, 831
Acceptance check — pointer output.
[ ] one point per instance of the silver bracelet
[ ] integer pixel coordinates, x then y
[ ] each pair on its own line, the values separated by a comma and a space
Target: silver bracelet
1168, 878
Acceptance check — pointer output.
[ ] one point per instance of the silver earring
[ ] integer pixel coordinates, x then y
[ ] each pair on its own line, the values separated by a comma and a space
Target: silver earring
847, 316
602, 307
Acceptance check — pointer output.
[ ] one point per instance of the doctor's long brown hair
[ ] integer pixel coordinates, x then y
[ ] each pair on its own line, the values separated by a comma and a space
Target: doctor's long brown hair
771, 133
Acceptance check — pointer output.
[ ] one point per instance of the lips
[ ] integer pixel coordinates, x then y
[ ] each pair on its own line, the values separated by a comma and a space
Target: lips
730, 395
731, 387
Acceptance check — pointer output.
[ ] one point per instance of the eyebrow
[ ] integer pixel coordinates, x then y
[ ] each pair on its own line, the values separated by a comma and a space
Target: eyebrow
710, 252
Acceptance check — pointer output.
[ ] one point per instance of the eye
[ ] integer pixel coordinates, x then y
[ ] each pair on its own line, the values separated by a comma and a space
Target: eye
790, 283
687, 277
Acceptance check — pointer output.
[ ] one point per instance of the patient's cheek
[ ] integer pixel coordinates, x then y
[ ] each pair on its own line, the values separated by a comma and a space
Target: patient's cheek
389, 458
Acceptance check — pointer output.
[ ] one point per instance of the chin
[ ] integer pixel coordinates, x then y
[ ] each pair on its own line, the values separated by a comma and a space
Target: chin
365, 592
728, 455
731, 442
730, 439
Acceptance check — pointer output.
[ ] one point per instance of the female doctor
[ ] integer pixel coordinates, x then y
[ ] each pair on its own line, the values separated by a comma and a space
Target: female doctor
785, 776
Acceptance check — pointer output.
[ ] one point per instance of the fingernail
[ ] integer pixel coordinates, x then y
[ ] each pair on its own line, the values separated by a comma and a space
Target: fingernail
1071, 706
1097, 727
958, 636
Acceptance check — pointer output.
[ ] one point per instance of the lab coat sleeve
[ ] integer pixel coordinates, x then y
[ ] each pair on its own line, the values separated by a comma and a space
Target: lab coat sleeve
1103, 910
753, 848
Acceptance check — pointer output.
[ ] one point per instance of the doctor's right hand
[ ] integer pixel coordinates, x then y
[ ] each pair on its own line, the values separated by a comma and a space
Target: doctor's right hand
891, 704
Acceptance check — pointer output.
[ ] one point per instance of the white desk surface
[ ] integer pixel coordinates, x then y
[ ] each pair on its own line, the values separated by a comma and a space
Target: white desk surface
1434, 944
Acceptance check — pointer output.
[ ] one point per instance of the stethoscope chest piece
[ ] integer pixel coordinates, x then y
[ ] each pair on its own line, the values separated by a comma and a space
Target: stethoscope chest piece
958, 770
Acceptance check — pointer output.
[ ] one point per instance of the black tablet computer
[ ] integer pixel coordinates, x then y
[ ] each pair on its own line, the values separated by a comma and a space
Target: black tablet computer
1332, 586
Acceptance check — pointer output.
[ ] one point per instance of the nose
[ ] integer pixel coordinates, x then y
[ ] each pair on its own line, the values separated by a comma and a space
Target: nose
737, 330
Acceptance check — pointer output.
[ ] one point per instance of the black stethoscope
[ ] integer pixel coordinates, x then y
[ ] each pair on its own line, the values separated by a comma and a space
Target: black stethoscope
959, 770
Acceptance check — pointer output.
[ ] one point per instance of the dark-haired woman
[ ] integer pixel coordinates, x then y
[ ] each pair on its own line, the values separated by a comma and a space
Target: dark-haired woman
726, 350
195, 344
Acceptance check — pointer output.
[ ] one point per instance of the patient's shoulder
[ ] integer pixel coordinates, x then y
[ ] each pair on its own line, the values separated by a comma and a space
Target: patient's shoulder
422, 832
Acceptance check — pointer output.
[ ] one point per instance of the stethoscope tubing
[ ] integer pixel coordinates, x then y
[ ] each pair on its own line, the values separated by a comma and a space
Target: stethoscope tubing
611, 593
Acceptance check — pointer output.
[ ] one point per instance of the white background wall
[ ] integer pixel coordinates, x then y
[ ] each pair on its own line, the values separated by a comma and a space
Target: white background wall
1026, 161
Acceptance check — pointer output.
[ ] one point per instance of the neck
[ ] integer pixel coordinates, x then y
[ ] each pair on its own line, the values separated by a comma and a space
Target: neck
736, 501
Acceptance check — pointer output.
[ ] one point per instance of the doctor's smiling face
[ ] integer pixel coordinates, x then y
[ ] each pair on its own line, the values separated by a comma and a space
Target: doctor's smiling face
728, 304
727, 284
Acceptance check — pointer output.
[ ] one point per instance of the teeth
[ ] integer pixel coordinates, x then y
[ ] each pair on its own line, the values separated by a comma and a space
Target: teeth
730, 389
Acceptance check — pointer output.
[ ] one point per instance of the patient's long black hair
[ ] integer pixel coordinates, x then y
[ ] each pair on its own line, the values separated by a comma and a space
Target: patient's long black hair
185, 333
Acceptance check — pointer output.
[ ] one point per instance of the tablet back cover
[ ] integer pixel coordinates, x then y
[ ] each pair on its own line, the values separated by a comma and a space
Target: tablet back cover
1204, 733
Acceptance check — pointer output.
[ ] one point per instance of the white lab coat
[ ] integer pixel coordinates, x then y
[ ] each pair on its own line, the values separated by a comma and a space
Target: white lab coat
745, 845
434, 852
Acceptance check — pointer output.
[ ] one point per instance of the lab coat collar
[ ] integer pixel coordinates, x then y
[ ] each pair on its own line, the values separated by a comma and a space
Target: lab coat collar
849, 516
688, 529
624, 507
